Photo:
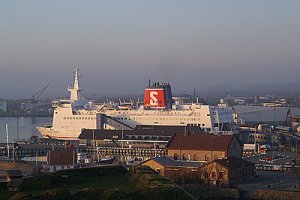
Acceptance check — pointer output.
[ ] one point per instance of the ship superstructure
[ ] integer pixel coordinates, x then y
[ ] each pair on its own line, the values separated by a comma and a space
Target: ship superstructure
158, 109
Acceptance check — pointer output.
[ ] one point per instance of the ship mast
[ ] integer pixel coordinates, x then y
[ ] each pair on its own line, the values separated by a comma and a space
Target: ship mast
75, 89
7, 141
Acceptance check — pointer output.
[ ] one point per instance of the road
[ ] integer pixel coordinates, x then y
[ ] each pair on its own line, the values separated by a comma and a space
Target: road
268, 180
283, 158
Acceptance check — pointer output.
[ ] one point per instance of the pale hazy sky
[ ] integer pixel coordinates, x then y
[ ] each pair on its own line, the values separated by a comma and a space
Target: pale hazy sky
119, 45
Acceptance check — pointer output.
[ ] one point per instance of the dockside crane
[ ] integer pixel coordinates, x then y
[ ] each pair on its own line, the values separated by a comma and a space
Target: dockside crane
288, 117
35, 98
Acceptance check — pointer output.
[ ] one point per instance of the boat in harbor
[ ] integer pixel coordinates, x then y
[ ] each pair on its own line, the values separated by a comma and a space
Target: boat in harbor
106, 160
158, 109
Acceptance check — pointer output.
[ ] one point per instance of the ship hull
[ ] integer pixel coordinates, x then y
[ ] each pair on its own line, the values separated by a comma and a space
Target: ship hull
48, 132
71, 116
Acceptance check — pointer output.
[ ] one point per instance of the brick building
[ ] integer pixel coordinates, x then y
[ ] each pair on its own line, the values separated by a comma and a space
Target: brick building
60, 159
203, 147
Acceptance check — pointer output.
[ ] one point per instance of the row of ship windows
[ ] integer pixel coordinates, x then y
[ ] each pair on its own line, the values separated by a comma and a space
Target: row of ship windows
79, 118
195, 124
224, 118
158, 118
203, 125
163, 113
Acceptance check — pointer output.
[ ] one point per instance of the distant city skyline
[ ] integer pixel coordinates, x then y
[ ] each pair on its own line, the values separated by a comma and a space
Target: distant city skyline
119, 45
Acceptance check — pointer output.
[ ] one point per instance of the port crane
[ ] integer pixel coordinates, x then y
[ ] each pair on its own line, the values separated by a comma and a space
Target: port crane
35, 98
288, 116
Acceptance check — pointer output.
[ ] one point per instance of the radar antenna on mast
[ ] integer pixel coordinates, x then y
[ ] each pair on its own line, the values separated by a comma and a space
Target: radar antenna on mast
75, 88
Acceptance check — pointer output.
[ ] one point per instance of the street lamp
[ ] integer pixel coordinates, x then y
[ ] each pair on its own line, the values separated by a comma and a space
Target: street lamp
227, 162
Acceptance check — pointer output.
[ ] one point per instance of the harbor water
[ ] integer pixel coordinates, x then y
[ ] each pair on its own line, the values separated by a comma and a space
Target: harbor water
20, 128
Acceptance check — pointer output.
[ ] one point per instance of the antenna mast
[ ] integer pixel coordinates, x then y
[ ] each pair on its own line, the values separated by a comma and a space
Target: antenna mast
6, 126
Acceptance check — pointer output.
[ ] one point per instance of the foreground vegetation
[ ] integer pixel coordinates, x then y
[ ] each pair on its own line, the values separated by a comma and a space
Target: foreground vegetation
107, 183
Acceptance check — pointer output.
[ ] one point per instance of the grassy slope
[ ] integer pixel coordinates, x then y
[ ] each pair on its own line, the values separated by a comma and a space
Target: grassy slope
97, 178
108, 183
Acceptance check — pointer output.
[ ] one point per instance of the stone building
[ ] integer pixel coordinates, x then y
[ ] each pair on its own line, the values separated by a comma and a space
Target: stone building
220, 172
179, 171
227, 171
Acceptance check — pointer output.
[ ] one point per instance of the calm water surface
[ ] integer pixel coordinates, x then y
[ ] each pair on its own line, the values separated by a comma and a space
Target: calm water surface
21, 127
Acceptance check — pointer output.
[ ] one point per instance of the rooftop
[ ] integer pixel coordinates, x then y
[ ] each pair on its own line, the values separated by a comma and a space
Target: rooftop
14, 173
162, 133
233, 162
169, 162
200, 142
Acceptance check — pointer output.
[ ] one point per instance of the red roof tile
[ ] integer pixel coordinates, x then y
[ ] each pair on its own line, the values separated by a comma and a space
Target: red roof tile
200, 142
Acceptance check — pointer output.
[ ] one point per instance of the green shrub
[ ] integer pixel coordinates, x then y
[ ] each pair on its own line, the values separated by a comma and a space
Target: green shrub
3, 186
56, 180
58, 194
21, 196
115, 194
103, 170
89, 193
36, 183
161, 194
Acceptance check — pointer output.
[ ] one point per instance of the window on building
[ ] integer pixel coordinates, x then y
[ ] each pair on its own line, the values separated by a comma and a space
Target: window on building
213, 175
175, 156
195, 158
221, 175
206, 174
183, 157
206, 157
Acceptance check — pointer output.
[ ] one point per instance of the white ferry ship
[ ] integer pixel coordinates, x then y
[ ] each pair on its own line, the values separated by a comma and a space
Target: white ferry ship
73, 115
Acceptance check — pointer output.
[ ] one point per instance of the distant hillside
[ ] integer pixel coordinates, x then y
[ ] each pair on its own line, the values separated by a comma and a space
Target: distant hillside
255, 89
